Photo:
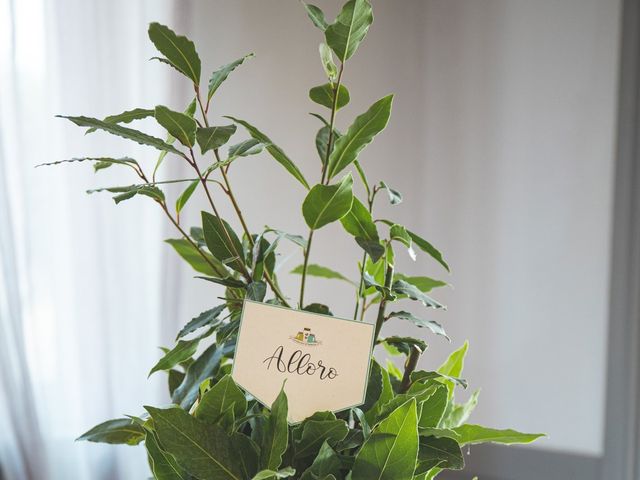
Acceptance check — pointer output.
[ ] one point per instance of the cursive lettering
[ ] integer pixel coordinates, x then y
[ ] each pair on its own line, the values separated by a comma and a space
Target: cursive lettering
299, 363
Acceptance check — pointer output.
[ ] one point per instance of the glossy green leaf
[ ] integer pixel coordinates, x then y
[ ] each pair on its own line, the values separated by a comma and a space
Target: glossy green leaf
126, 117
99, 163
326, 463
179, 125
327, 203
116, 431
454, 364
178, 51
183, 350
210, 138
390, 452
275, 151
428, 248
424, 284
435, 327
174, 379
324, 95
374, 386
245, 148
256, 291
320, 271
433, 408
186, 195
458, 414
359, 223
203, 450
326, 57
475, 434
205, 366
315, 433
275, 437
220, 75
273, 474
223, 395
349, 29
227, 281
404, 288
372, 247
404, 344
124, 132
361, 132
385, 396
163, 465
189, 253
222, 241
440, 452
316, 15
318, 308
246, 453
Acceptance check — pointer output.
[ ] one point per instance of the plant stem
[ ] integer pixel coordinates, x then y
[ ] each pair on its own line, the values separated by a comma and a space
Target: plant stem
324, 179
360, 294
409, 368
304, 268
388, 278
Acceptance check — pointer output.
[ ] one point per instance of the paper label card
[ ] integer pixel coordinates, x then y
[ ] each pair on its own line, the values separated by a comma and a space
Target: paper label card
324, 360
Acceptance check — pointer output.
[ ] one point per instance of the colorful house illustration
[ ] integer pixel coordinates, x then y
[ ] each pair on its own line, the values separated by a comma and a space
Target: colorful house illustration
306, 337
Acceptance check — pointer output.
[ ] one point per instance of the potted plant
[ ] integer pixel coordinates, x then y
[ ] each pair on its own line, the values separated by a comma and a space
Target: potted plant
410, 425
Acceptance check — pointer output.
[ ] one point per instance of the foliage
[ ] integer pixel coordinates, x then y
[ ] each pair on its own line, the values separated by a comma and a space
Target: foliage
410, 426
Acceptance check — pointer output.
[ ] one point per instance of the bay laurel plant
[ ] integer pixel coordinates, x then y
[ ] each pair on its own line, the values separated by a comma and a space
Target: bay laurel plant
410, 426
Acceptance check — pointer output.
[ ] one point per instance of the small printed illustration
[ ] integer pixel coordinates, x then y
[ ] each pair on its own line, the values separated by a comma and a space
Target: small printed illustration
306, 337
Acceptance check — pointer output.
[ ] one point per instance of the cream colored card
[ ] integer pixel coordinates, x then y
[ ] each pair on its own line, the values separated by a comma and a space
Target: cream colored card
324, 359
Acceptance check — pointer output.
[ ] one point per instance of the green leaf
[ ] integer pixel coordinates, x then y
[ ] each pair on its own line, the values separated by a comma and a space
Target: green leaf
372, 247
454, 364
179, 51
316, 15
174, 379
271, 474
223, 395
315, 433
424, 284
324, 95
210, 138
395, 197
424, 376
433, 408
475, 434
179, 125
326, 57
361, 132
256, 291
318, 308
126, 117
327, 203
227, 281
459, 413
205, 366
244, 149
322, 141
163, 465
441, 452
320, 271
190, 254
182, 351
349, 29
124, 132
204, 450
100, 163
275, 151
404, 288
276, 434
246, 453
386, 395
404, 344
220, 75
374, 386
429, 249
390, 452
435, 327
222, 241
116, 431
326, 463
359, 223
186, 195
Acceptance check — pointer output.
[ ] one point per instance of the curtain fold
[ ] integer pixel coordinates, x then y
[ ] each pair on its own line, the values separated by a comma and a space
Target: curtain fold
82, 294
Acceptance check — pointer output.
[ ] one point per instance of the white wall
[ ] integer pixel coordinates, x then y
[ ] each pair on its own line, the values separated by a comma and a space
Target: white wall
502, 143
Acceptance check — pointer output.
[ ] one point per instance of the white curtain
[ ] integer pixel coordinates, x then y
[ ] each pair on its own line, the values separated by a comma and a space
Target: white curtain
82, 298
